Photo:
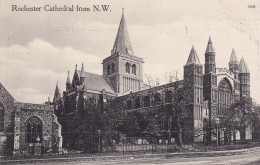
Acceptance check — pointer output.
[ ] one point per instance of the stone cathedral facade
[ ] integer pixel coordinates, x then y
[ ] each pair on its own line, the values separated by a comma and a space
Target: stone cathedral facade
212, 90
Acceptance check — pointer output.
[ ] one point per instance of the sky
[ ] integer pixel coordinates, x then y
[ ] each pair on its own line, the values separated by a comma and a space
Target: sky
37, 49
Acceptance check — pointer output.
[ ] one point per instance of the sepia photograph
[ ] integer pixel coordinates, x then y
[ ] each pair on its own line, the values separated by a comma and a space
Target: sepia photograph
129, 82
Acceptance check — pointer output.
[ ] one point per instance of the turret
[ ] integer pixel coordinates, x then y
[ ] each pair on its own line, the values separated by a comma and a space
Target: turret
57, 95
193, 75
210, 65
82, 74
233, 64
68, 83
244, 78
49, 99
210, 82
75, 80
193, 84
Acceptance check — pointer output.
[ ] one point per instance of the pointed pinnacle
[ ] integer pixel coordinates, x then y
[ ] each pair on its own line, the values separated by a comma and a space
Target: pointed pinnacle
193, 57
243, 67
82, 72
210, 48
233, 57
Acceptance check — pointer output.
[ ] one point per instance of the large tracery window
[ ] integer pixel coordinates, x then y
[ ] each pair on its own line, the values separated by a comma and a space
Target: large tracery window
225, 96
1, 118
33, 130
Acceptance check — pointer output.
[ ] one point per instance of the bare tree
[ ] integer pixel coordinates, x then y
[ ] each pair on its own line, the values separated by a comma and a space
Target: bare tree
171, 76
149, 79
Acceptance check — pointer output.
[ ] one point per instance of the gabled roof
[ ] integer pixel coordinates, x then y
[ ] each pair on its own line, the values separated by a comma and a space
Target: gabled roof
243, 67
122, 42
96, 82
193, 57
233, 57
5, 96
210, 48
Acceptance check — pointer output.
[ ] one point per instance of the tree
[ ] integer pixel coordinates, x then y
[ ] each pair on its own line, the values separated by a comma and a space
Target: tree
178, 108
239, 116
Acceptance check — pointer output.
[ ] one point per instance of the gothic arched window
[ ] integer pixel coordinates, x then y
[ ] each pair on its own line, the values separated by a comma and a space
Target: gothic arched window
129, 104
134, 69
33, 130
108, 69
1, 118
127, 67
113, 68
157, 99
225, 96
137, 103
146, 101
168, 96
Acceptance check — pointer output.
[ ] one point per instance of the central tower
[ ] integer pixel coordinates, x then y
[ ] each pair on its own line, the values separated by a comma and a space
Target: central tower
122, 69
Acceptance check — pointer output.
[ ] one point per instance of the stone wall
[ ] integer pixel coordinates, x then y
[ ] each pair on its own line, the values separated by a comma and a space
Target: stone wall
44, 113
13, 134
7, 102
56, 135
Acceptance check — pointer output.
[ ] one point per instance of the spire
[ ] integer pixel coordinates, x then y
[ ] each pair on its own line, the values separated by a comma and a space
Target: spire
82, 72
122, 42
193, 57
243, 67
49, 98
233, 57
68, 78
57, 94
210, 48
75, 79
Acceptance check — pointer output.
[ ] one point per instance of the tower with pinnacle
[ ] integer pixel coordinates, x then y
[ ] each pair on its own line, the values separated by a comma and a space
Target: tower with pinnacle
210, 90
233, 64
122, 69
193, 82
244, 78
234, 69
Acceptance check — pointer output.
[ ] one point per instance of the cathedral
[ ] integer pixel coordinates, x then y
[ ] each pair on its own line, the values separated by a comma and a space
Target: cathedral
211, 91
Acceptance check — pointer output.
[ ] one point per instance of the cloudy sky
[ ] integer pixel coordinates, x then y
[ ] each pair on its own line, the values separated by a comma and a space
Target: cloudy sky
38, 48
